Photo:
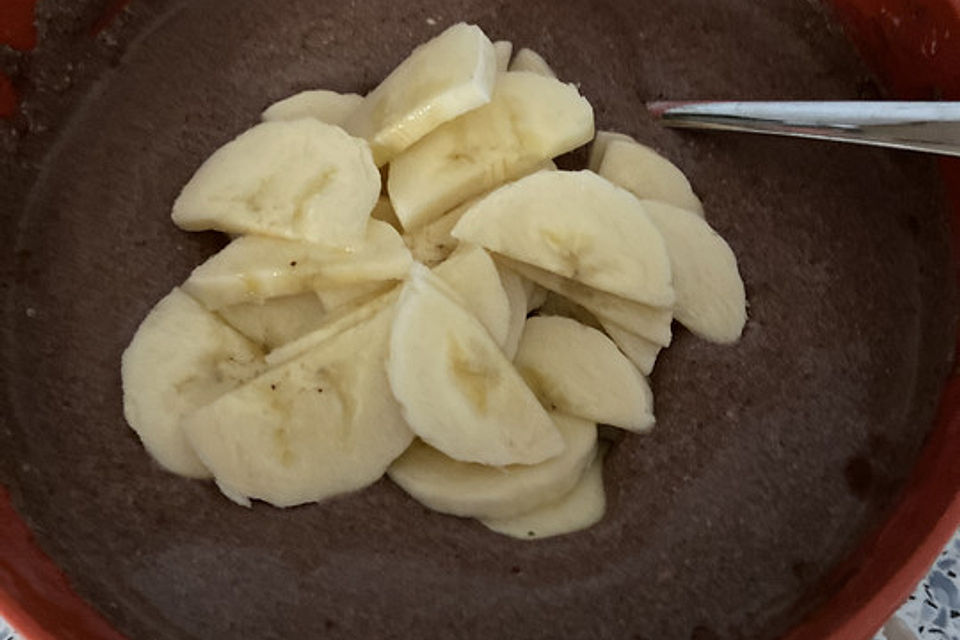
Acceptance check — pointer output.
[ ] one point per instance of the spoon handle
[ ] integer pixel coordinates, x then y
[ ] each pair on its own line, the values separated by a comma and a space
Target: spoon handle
933, 127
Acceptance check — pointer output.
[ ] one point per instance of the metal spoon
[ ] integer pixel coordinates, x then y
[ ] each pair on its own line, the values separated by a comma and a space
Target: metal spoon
933, 127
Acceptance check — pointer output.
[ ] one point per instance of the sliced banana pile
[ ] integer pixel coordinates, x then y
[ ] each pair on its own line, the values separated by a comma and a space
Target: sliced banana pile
416, 290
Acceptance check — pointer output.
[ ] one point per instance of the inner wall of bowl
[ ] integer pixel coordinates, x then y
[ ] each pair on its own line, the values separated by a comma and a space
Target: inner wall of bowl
770, 459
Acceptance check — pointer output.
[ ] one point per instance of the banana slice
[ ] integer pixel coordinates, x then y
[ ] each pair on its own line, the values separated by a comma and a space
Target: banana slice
586, 377
349, 295
580, 509
599, 147
502, 49
181, 358
300, 180
459, 392
479, 491
441, 79
576, 225
530, 119
317, 426
473, 275
530, 60
516, 290
255, 268
652, 323
647, 175
640, 351
432, 243
276, 321
711, 301
334, 323
558, 305
326, 106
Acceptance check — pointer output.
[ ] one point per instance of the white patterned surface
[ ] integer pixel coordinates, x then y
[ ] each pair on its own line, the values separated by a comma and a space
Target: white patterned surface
931, 613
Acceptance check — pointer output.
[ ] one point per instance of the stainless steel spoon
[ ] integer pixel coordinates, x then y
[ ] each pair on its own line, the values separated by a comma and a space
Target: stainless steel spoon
933, 127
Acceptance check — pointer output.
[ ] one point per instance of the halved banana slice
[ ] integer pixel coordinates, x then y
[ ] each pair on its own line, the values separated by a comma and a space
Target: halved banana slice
530, 60
576, 225
300, 180
516, 290
326, 106
647, 174
432, 243
255, 268
334, 298
459, 392
580, 509
558, 305
653, 323
449, 75
529, 119
276, 321
711, 300
181, 358
640, 351
599, 147
314, 427
334, 323
577, 370
479, 491
502, 49
473, 275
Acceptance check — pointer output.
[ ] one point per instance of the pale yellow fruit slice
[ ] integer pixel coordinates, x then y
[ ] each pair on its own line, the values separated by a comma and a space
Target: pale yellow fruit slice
473, 275
558, 305
317, 426
255, 268
711, 300
334, 298
276, 321
647, 175
580, 509
578, 370
640, 351
449, 75
516, 290
503, 49
326, 106
479, 491
579, 226
432, 243
181, 358
530, 60
300, 180
458, 391
334, 323
530, 119
599, 147
653, 323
